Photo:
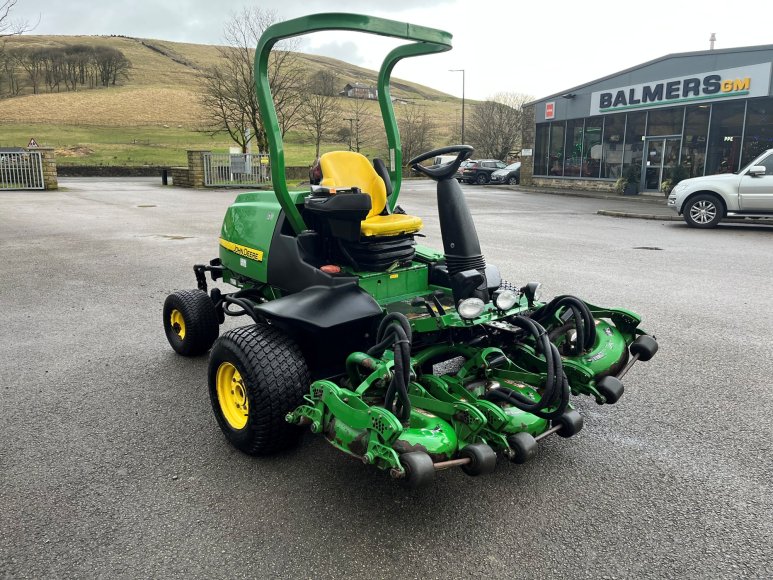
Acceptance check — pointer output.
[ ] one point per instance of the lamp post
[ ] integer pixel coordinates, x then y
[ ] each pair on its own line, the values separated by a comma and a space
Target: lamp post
461, 70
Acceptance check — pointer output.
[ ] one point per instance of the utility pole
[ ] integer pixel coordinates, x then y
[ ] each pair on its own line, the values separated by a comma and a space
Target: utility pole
351, 130
461, 70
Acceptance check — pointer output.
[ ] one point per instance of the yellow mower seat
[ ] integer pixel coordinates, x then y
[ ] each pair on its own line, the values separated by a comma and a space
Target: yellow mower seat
351, 169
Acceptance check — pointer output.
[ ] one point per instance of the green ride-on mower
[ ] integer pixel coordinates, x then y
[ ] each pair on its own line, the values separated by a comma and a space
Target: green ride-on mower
404, 357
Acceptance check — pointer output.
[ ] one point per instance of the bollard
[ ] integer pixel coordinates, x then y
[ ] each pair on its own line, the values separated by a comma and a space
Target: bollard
164, 177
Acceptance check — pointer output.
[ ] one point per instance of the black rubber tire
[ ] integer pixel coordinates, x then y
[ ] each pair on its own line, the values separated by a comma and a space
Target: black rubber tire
571, 423
483, 459
611, 388
710, 203
419, 469
200, 318
275, 378
645, 346
524, 447
512, 181
481, 179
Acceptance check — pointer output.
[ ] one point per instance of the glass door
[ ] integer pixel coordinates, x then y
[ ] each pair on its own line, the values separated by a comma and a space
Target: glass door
661, 155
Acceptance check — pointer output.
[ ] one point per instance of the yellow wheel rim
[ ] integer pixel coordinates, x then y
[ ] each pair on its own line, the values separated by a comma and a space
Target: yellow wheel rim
177, 323
232, 396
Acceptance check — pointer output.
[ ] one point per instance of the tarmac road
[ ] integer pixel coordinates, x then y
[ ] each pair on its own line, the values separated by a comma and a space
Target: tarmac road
112, 465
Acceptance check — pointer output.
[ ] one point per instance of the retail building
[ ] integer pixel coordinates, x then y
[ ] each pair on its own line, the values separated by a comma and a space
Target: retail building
709, 111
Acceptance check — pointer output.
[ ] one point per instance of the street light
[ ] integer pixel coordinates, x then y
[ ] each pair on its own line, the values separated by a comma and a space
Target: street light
461, 70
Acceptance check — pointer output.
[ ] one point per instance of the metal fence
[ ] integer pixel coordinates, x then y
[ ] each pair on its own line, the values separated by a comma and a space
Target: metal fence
22, 170
236, 170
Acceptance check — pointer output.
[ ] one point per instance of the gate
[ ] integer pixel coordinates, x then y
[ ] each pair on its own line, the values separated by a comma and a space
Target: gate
21, 170
236, 170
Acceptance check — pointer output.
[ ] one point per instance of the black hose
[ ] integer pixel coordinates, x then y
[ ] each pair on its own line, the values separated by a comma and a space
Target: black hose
555, 394
395, 331
583, 319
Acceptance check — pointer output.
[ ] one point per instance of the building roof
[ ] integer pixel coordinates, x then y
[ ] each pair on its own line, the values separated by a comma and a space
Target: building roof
655, 61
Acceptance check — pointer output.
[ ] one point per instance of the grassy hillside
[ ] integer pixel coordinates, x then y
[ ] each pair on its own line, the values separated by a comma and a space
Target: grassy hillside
156, 115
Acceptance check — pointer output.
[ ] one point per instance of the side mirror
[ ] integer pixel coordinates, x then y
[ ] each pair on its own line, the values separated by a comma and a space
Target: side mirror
757, 170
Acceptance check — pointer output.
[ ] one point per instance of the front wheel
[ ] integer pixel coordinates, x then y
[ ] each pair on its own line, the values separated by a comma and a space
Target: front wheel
512, 181
257, 375
190, 322
703, 211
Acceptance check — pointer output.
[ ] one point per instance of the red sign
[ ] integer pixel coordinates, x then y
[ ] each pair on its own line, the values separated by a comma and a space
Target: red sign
550, 110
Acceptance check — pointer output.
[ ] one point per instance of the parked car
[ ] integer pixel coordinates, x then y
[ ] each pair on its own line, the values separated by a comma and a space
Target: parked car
462, 165
510, 174
704, 201
480, 171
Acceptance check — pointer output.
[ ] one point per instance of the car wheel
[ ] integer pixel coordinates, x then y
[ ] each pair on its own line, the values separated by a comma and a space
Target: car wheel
703, 211
513, 181
482, 179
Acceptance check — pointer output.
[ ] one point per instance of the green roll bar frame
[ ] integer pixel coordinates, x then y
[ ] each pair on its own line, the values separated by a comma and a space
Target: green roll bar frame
425, 41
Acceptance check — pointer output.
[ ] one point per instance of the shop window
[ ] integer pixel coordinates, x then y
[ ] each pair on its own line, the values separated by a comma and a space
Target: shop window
758, 136
573, 162
724, 150
541, 149
591, 147
556, 155
696, 127
614, 140
665, 122
634, 141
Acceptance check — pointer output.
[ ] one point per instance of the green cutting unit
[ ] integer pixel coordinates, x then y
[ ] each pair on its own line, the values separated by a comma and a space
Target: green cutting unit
407, 358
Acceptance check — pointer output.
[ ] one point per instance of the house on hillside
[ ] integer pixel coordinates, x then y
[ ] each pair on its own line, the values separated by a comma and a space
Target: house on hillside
359, 91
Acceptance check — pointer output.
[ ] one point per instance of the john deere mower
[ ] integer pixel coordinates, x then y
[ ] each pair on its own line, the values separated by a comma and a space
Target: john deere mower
406, 358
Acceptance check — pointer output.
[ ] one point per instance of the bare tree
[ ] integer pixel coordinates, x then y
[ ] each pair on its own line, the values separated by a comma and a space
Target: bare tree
9, 27
495, 125
229, 97
360, 122
320, 112
417, 130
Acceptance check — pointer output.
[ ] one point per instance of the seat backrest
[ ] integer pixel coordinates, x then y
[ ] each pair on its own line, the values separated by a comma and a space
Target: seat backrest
352, 169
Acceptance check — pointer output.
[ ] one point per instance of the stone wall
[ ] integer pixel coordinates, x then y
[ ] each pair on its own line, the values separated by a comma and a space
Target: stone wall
195, 169
110, 171
181, 176
48, 157
563, 183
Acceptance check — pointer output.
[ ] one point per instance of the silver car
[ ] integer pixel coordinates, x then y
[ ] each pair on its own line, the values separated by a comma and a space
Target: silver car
704, 201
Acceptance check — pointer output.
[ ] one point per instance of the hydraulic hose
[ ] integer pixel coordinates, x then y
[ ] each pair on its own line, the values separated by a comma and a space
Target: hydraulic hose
583, 319
394, 332
555, 396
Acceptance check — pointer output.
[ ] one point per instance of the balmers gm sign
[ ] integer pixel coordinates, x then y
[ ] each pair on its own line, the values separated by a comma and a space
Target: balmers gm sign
733, 83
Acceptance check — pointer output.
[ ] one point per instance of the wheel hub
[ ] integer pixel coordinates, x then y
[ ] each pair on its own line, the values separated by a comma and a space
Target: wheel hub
177, 322
232, 396
703, 212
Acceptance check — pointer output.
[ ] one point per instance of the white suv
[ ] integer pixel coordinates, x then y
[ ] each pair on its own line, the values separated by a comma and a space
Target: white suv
704, 201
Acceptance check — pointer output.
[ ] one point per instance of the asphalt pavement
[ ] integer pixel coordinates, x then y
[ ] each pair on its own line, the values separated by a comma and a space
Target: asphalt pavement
112, 464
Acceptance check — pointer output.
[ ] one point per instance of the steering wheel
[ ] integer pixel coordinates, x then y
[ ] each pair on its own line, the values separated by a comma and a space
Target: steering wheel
445, 170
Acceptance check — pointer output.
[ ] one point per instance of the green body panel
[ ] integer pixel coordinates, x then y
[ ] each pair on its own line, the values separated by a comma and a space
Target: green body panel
250, 222
423, 41
396, 285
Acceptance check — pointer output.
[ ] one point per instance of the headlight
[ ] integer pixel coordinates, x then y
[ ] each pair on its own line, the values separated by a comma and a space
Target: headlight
506, 299
533, 292
470, 308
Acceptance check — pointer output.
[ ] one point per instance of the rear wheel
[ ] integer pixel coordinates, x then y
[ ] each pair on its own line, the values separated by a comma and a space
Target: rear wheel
703, 211
481, 179
190, 322
257, 375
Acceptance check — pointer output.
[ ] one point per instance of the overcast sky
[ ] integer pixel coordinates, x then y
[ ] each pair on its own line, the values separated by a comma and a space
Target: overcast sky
532, 47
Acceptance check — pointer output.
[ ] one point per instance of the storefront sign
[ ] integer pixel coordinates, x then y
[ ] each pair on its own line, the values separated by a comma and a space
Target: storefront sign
550, 110
734, 83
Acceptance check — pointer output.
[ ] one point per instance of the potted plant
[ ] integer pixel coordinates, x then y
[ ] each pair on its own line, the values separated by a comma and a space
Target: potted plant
632, 178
